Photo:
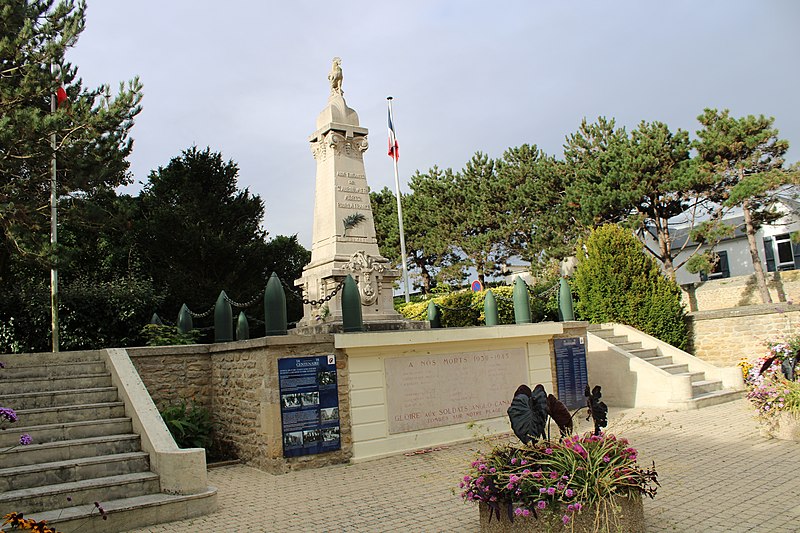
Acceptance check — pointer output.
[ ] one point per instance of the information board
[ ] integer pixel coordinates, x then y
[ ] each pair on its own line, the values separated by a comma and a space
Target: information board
309, 405
571, 374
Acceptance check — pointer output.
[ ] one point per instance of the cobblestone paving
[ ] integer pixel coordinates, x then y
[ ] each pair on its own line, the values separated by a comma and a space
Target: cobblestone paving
717, 474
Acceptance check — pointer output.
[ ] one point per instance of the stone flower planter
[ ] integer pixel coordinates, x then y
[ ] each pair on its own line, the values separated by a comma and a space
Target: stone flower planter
785, 426
618, 515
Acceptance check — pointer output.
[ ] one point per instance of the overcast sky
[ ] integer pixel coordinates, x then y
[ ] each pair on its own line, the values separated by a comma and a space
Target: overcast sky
248, 78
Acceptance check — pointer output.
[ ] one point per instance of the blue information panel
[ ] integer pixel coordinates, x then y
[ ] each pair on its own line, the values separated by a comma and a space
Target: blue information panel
309, 405
571, 374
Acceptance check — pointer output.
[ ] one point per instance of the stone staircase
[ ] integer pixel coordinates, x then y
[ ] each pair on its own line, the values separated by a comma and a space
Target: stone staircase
84, 449
705, 391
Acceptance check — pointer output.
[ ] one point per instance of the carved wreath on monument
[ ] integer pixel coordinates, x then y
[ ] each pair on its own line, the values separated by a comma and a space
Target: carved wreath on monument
369, 274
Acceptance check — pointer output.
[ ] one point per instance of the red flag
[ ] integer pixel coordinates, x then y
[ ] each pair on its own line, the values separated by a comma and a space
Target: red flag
61, 96
394, 148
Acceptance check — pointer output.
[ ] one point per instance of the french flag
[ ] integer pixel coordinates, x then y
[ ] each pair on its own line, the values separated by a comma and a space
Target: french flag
394, 148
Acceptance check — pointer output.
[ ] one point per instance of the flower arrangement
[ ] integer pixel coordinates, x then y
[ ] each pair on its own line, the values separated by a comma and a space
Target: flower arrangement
771, 381
559, 478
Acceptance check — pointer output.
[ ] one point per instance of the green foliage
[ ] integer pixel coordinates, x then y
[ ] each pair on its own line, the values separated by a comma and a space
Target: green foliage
466, 308
94, 314
287, 257
616, 282
162, 335
91, 129
199, 233
190, 424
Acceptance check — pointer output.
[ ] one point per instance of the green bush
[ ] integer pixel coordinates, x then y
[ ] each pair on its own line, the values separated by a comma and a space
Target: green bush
466, 308
161, 335
190, 425
616, 281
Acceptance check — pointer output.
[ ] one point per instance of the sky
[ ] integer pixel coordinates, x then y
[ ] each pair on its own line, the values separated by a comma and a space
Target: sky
248, 78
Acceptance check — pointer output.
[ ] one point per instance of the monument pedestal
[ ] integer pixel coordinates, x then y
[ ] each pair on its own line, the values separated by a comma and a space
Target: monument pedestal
343, 238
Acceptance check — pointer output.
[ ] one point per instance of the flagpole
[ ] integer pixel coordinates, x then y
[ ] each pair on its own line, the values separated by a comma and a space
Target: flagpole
53, 235
400, 217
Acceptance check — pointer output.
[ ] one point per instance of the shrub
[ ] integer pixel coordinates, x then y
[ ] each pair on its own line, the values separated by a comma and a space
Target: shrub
466, 308
190, 425
616, 281
161, 335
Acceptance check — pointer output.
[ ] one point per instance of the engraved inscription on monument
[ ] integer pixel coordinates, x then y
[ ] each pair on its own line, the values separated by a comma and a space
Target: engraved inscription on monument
440, 390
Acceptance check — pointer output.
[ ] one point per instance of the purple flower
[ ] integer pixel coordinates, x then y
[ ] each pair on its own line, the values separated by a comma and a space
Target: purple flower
542, 490
513, 460
551, 490
548, 451
8, 414
606, 459
553, 475
526, 512
565, 519
578, 506
569, 493
523, 462
25, 439
518, 511
541, 504
570, 507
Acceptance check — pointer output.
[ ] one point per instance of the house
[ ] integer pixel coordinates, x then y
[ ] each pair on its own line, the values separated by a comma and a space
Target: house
775, 247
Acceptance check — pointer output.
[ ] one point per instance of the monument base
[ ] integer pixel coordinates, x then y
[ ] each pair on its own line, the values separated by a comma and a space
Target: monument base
336, 326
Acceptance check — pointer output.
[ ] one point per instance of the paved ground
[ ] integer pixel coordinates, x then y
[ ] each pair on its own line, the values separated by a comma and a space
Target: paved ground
717, 474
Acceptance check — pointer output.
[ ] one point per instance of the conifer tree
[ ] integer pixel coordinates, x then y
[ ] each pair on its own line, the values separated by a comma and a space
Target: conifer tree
90, 126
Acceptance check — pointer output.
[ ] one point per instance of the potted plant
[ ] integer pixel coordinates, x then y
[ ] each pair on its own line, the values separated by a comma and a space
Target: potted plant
774, 390
589, 482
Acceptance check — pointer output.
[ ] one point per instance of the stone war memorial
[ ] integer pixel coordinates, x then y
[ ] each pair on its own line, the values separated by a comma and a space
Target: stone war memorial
343, 238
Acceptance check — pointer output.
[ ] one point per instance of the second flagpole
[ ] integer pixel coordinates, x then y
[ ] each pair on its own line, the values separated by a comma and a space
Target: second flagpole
399, 213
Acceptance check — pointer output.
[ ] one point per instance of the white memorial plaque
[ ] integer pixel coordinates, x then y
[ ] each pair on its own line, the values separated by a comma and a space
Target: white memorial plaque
439, 390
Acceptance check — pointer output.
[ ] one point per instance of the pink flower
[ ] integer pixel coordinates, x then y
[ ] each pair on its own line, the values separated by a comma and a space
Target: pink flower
565, 519
526, 512
606, 459
513, 460
518, 511
548, 451
578, 506
541, 504
568, 493
551, 490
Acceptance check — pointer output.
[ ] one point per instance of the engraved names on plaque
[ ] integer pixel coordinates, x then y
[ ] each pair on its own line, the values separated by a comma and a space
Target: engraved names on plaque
440, 390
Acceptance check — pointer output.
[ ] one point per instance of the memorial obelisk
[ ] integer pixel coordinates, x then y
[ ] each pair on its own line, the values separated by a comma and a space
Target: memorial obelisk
343, 238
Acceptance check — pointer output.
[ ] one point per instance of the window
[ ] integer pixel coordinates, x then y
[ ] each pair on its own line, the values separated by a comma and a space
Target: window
781, 253
720, 270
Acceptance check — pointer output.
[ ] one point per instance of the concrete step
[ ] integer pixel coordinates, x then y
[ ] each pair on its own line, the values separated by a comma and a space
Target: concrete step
716, 397
676, 368
67, 450
594, 328
130, 513
658, 360
38, 475
83, 381
700, 388
67, 431
49, 358
628, 346
36, 400
644, 353
54, 370
70, 413
608, 335
693, 376
81, 492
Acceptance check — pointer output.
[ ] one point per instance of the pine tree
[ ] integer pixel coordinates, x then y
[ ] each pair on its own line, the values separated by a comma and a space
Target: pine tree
744, 159
90, 127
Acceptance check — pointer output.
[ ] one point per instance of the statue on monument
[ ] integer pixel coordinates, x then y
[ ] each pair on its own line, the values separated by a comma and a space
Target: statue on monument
335, 77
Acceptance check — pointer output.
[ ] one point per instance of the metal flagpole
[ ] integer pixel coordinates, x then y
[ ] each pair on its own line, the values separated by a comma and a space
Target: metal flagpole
53, 235
400, 213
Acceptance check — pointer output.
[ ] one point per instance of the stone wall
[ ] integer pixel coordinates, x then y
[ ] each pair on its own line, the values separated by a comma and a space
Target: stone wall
740, 291
723, 337
238, 382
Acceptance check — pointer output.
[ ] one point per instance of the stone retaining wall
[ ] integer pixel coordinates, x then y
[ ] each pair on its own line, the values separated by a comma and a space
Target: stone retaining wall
723, 337
238, 383
740, 291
